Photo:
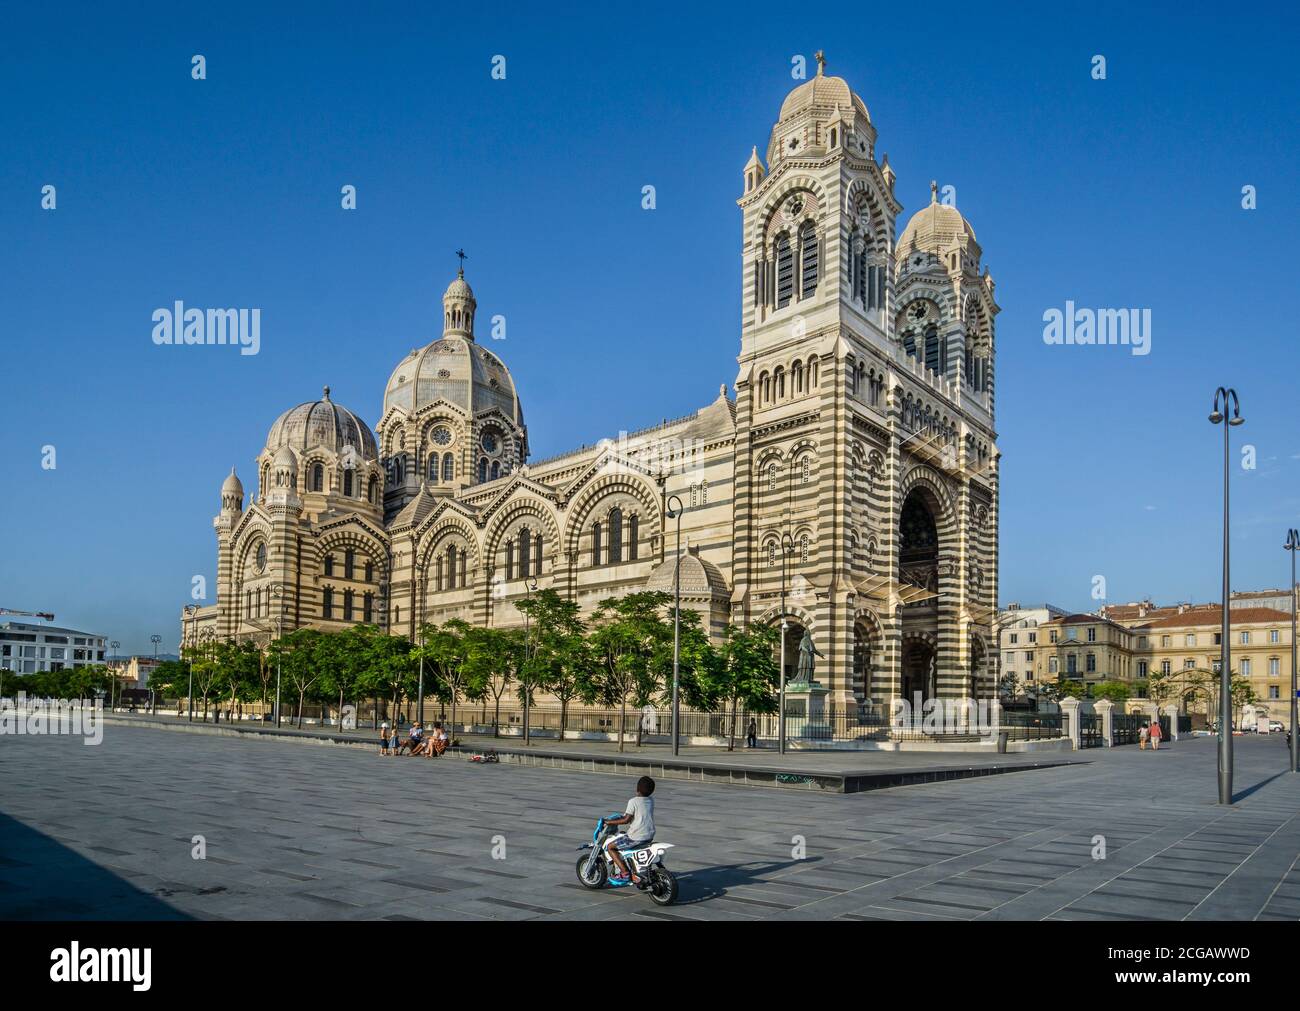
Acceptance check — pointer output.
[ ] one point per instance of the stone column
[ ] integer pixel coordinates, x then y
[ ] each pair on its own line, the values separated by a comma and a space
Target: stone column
1070, 710
1171, 711
1106, 710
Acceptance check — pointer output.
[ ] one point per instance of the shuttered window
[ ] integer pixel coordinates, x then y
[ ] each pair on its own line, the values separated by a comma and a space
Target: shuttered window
784, 271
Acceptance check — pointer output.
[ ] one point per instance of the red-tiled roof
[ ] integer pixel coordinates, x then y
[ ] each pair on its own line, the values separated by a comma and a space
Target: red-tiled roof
1213, 615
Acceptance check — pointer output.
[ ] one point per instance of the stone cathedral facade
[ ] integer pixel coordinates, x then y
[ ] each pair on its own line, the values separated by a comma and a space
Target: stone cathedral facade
858, 456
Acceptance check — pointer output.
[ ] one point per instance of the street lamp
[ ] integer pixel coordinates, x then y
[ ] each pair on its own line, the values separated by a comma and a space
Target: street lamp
206, 636
1293, 545
1223, 398
530, 584
189, 609
116, 644
675, 513
787, 549
277, 591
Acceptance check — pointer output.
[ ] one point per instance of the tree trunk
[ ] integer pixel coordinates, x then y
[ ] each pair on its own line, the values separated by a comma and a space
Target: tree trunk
622, 721
564, 717
731, 743
496, 719
301, 697
340, 709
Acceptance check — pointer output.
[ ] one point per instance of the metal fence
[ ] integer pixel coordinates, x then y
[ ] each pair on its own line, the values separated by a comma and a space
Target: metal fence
1090, 731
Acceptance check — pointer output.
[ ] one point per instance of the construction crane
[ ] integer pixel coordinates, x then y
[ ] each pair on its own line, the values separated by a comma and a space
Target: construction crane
28, 614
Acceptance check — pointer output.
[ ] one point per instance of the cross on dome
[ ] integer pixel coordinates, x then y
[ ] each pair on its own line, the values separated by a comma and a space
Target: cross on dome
820, 57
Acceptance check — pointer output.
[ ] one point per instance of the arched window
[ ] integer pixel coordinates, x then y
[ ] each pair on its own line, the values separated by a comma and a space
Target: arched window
372, 492
451, 566
482, 470
537, 554
510, 559
812, 373
934, 356
370, 571
368, 608
525, 554
448, 467
347, 483
771, 477
806, 471
496, 469
784, 271
463, 559
764, 388
909, 344
796, 377
317, 478
615, 536
632, 527
329, 565
327, 603
595, 544
803, 549
347, 605
808, 260
437, 573
398, 474
779, 383
349, 563
433, 468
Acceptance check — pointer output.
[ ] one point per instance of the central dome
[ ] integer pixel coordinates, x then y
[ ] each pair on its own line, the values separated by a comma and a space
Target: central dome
455, 368
822, 93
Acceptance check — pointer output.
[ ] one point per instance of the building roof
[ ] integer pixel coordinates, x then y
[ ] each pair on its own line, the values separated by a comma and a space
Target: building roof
1212, 614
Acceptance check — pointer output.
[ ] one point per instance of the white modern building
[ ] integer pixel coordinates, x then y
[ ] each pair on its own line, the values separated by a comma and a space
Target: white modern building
29, 649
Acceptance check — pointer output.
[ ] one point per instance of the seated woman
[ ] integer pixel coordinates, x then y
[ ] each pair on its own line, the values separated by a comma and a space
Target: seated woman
415, 742
437, 742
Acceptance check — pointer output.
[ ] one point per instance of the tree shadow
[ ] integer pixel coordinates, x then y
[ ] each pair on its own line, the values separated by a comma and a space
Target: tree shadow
1243, 794
41, 879
707, 883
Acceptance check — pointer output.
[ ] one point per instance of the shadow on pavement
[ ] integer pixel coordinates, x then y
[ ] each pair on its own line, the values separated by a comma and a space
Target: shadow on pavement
41, 879
709, 883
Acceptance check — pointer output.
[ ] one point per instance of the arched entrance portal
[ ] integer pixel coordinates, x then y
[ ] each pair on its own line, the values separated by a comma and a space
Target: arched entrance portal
918, 547
919, 674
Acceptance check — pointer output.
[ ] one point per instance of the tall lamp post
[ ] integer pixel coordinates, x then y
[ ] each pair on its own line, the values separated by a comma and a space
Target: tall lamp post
277, 590
189, 694
207, 636
787, 548
1293, 545
675, 513
116, 644
1223, 399
530, 584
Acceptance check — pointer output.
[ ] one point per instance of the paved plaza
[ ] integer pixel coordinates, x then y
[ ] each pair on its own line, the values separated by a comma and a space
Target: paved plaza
299, 831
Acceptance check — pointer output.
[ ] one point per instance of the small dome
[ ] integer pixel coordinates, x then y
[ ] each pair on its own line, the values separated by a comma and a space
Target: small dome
822, 93
936, 228
322, 424
231, 485
459, 288
700, 578
285, 459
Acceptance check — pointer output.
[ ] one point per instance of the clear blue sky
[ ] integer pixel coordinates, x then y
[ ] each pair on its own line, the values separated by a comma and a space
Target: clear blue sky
225, 192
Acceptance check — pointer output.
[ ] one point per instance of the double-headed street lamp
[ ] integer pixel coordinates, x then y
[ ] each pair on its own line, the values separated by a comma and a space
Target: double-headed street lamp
277, 590
787, 549
116, 644
1223, 400
193, 637
1293, 545
675, 513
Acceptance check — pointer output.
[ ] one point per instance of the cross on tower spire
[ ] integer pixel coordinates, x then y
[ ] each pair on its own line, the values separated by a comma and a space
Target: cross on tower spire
461, 253
820, 57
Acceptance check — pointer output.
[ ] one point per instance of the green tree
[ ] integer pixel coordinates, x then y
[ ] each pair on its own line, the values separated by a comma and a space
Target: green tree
744, 675
492, 658
628, 633
559, 659
444, 649
298, 651
1118, 692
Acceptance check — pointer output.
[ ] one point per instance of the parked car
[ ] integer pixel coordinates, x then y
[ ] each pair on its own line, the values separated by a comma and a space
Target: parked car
1275, 727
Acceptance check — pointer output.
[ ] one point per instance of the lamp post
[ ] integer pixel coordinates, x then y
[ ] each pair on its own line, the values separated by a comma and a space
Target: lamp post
193, 639
675, 513
1293, 545
116, 644
205, 638
1225, 398
530, 584
277, 591
787, 548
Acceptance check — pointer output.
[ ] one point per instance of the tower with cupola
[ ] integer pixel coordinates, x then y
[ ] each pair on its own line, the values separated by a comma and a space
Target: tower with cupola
860, 445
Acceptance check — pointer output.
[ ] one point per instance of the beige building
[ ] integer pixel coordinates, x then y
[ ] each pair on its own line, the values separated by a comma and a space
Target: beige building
859, 445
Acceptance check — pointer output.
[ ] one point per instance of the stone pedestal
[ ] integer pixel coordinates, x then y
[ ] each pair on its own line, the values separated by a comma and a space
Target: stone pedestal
1070, 710
805, 710
1106, 710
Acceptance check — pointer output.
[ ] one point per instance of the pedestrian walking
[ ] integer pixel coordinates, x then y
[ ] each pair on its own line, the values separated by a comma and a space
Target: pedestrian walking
751, 735
1156, 734
1143, 732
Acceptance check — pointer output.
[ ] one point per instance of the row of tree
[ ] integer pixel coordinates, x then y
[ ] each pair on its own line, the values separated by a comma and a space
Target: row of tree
1192, 688
621, 657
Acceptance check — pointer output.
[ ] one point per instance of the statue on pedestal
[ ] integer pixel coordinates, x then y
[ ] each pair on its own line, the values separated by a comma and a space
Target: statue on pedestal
804, 670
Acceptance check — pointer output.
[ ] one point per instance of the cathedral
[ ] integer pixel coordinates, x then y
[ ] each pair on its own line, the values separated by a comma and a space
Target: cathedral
852, 478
